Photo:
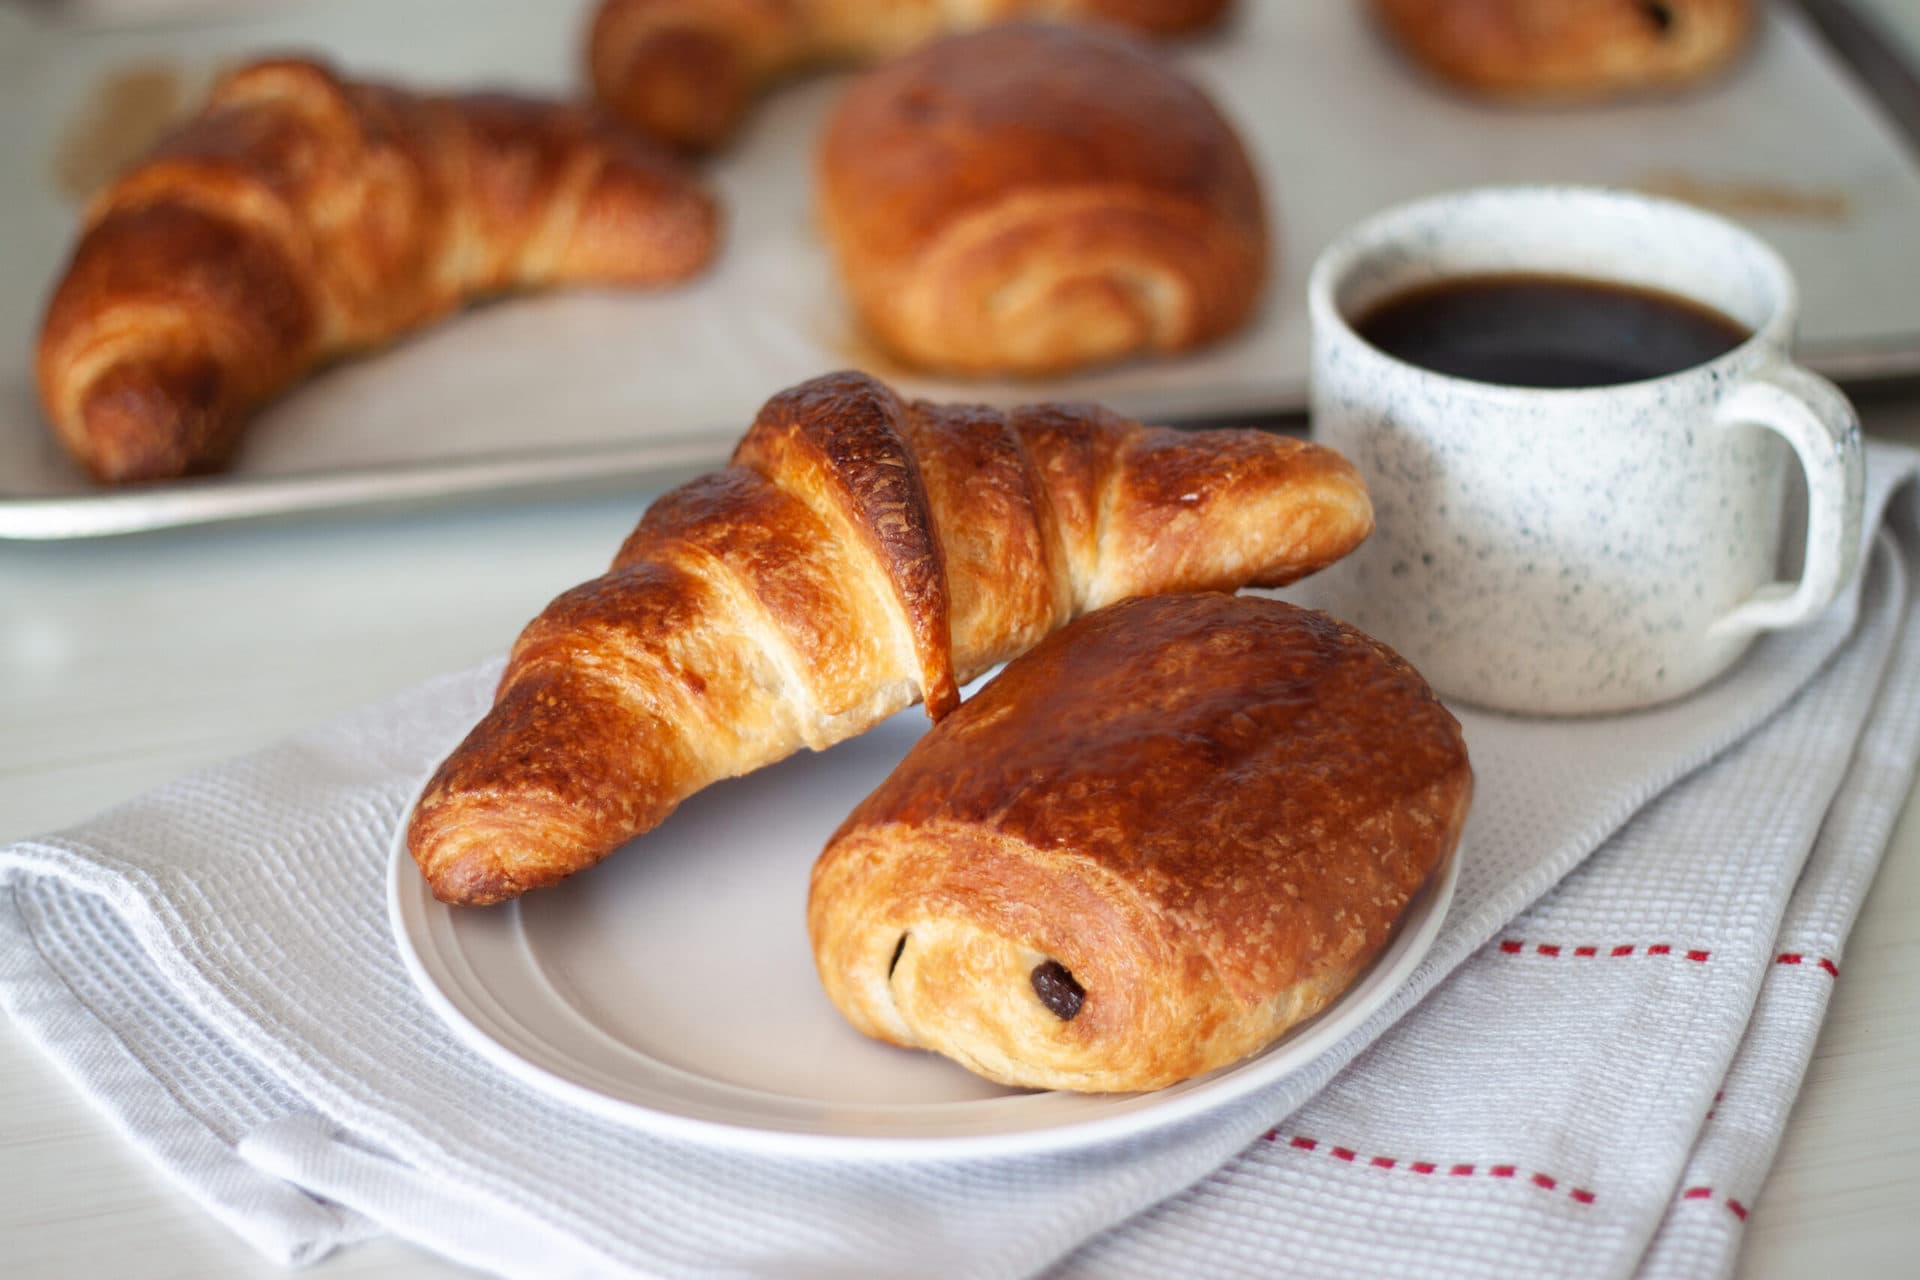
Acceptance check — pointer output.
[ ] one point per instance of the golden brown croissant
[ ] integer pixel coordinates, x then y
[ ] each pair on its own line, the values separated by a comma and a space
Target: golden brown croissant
1145, 849
1029, 199
684, 71
860, 552
1568, 48
300, 216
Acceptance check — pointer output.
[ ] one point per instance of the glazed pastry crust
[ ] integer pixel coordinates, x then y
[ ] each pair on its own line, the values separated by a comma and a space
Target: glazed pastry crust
685, 71
860, 552
1212, 810
1033, 199
301, 216
1558, 49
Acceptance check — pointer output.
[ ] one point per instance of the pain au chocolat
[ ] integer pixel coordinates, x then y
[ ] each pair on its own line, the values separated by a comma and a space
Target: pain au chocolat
1146, 849
1561, 49
861, 552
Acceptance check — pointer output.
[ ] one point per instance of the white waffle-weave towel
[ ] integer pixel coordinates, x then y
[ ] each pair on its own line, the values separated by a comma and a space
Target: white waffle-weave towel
1586, 1077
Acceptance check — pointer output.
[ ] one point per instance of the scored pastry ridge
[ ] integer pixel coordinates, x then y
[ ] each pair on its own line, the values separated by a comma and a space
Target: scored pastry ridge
860, 553
1209, 812
862, 475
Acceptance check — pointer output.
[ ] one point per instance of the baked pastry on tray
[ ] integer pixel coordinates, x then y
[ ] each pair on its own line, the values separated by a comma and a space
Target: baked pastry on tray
861, 552
1561, 49
1145, 849
301, 216
685, 71
1032, 199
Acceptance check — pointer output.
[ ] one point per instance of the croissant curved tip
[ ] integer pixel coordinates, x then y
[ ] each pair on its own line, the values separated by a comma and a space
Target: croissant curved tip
482, 847
467, 856
474, 882
140, 422
683, 85
473, 872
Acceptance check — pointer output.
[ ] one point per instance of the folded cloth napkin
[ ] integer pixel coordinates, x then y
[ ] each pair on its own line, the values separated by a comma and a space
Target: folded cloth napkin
1587, 1075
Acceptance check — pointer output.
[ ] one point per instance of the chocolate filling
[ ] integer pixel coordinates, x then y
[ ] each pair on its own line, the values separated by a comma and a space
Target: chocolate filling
894, 963
1057, 989
1659, 14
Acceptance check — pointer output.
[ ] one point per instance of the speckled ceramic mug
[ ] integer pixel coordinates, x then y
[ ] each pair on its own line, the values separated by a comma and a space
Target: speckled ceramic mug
1588, 550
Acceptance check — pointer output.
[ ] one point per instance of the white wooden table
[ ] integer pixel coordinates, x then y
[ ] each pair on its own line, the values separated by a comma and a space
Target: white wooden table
124, 663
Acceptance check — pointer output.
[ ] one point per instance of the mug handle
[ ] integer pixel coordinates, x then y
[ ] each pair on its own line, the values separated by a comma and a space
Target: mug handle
1817, 420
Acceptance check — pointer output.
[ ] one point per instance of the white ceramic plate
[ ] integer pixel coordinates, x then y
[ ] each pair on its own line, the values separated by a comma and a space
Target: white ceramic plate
672, 988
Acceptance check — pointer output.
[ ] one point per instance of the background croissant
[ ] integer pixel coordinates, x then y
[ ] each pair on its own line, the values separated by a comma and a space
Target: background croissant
300, 216
860, 552
685, 71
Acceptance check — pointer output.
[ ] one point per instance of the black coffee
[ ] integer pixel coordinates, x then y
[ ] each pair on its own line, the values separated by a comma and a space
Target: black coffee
1547, 331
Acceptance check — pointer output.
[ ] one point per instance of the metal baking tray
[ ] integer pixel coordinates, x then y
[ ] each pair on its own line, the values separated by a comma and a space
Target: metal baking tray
599, 387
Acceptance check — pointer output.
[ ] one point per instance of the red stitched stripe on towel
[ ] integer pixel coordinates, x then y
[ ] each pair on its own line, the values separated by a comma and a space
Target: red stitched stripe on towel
1300, 1142
1587, 951
1734, 1207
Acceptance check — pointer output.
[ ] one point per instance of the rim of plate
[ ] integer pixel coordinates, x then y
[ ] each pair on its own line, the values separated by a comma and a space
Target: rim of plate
410, 905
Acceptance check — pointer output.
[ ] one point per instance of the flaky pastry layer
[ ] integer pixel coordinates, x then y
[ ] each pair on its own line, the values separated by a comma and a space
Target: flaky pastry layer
862, 551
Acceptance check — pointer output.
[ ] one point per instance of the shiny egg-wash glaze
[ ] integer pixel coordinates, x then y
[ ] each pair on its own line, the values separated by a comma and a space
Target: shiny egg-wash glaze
860, 552
1032, 199
300, 217
1562, 49
1146, 849
685, 71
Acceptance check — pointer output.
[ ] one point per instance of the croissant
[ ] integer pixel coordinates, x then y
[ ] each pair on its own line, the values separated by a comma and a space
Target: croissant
1146, 849
1559, 49
858, 553
685, 71
301, 216
1031, 199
